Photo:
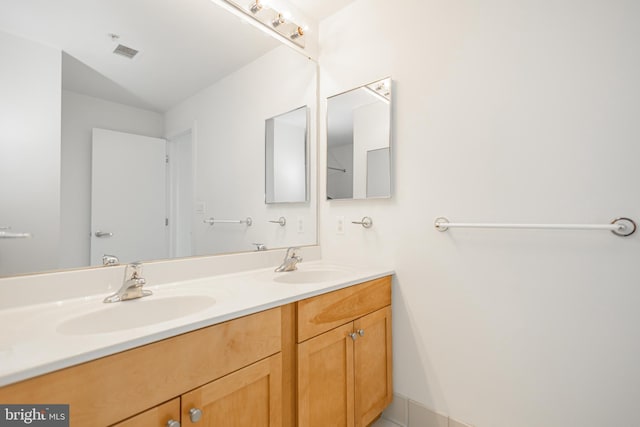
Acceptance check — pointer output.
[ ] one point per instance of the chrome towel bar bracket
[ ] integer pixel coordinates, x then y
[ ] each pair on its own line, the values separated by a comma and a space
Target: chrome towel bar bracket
282, 221
366, 222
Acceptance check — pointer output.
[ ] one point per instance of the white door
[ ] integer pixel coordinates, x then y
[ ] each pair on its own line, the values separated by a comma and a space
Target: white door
128, 197
181, 192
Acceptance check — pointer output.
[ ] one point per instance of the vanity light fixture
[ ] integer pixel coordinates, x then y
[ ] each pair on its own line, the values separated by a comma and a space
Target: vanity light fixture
278, 21
263, 12
299, 32
255, 7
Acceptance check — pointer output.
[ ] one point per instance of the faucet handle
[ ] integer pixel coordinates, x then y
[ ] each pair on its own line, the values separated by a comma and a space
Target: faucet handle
291, 254
133, 271
291, 251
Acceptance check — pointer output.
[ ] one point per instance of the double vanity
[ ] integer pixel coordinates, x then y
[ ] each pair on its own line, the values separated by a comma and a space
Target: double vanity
310, 347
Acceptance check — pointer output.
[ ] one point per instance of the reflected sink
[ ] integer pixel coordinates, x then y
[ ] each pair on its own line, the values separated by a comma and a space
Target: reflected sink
134, 313
310, 276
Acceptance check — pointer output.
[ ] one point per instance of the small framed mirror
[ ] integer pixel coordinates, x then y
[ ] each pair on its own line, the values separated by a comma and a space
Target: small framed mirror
286, 171
359, 142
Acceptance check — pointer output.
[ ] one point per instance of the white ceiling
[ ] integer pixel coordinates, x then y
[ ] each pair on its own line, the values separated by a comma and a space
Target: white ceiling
185, 45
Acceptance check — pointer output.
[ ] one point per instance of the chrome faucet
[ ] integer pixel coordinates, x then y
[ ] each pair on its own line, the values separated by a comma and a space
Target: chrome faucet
108, 260
290, 261
132, 285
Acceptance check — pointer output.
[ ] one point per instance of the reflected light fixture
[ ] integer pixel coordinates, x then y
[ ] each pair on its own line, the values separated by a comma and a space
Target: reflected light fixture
380, 89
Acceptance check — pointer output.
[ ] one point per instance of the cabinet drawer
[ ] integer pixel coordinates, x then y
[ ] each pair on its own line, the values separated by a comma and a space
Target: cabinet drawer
324, 312
110, 389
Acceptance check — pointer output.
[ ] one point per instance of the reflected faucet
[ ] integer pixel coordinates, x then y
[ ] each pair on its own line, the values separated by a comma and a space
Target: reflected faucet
108, 260
132, 285
290, 261
260, 247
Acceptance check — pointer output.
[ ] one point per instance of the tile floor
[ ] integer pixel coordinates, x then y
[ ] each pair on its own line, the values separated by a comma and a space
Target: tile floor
384, 423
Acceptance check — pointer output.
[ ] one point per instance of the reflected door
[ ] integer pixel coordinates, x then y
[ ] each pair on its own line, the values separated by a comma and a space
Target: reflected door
128, 197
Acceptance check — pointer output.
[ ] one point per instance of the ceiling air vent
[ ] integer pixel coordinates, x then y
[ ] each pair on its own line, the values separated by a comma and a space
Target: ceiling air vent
125, 51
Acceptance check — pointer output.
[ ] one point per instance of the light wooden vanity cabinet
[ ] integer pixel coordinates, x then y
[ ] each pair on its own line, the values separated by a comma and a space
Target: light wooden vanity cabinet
165, 415
322, 361
344, 356
251, 396
214, 368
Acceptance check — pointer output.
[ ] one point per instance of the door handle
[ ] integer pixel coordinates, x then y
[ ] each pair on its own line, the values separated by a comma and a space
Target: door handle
103, 234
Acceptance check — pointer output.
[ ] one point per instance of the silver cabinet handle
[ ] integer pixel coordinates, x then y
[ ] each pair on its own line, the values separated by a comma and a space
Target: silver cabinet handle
360, 332
195, 415
366, 222
353, 336
103, 234
173, 423
282, 221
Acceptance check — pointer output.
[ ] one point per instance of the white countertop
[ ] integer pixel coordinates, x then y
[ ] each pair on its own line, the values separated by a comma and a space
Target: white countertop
33, 343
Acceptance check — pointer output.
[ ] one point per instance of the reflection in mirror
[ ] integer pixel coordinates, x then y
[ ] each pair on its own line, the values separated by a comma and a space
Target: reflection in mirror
97, 95
286, 138
358, 142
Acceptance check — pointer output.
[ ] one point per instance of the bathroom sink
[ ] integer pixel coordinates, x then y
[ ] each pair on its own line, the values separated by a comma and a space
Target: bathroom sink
310, 276
134, 313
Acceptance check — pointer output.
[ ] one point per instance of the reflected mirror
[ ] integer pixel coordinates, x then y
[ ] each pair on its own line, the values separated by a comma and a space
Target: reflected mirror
359, 142
136, 129
286, 138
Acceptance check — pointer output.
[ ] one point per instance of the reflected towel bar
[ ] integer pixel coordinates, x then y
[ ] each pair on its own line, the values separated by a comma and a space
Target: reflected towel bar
212, 221
620, 226
12, 235
336, 169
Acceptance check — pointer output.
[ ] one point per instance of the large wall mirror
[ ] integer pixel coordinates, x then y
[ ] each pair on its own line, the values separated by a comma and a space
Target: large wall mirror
359, 142
136, 129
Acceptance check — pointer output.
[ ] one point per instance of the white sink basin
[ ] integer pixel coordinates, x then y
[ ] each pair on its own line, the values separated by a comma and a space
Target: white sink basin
309, 276
134, 313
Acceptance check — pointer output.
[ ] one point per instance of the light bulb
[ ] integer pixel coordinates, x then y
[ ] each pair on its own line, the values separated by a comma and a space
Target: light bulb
255, 7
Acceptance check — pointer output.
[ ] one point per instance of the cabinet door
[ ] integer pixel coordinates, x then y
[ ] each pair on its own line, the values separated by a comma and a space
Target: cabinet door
250, 397
325, 379
160, 416
372, 366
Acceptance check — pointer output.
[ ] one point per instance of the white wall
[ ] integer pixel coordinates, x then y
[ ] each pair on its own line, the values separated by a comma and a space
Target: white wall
80, 114
30, 76
505, 111
228, 122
